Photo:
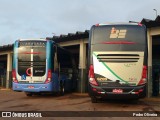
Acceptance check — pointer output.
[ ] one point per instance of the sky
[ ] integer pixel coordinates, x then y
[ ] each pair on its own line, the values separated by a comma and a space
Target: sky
45, 18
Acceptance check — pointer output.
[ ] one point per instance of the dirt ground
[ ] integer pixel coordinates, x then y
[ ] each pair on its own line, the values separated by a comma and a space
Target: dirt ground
72, 102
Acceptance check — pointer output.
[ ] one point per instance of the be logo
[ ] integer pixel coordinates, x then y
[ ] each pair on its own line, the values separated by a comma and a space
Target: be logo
118, 33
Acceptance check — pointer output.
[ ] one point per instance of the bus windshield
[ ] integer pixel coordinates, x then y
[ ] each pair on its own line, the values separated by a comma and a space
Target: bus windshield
32, 55
39, 54
120, 37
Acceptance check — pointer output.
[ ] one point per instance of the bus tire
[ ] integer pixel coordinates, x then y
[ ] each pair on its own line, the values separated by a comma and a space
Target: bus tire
62, 91
29, 94
94, 99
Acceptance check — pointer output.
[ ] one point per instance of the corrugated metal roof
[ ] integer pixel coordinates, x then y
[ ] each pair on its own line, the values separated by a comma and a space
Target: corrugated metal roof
57, 39
151, 23
157, 19
70, 36
6, 47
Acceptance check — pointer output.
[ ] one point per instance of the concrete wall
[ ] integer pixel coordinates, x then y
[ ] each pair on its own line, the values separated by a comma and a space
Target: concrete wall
8, 77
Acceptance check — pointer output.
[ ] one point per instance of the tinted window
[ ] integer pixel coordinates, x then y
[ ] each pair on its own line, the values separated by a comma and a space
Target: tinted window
31, 54
40, 54
23, 54
104, 37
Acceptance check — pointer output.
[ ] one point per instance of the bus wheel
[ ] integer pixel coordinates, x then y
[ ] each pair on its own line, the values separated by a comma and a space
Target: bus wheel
28, 94
94, 99
62, 90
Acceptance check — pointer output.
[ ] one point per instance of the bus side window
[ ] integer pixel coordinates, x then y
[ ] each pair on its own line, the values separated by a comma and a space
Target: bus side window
55, 61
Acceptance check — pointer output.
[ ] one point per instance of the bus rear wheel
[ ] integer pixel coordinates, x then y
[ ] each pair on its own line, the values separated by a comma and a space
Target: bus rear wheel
28, 94
62, 90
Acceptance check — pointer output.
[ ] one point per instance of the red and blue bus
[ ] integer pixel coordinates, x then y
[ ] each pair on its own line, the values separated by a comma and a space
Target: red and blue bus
117, 61
37, 66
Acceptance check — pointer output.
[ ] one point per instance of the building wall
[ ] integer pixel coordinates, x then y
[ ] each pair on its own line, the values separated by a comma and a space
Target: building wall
8, 70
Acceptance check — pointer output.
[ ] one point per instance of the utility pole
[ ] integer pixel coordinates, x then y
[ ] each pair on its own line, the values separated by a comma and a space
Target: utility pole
155, 11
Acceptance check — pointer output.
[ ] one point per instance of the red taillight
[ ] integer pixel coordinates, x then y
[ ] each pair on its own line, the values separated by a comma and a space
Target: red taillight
93, 81
91, 76
96, 24
94, 89
141, 90
31, 53
49, 76
118, 42
139, 24
91, 71
136, 92
14, 76
144, 76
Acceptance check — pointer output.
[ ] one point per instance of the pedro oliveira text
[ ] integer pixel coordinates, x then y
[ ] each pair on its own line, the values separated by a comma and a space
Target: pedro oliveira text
145, 114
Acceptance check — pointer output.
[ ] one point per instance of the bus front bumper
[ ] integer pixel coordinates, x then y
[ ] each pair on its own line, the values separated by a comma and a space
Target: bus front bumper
32, 87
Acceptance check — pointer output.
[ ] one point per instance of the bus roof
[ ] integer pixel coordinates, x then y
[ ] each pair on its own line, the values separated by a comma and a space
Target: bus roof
119, 23
42, 39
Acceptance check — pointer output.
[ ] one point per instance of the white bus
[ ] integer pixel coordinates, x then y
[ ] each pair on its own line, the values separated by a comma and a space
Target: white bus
117, 61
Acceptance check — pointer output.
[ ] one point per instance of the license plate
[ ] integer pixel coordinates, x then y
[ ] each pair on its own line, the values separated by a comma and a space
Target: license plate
31, 87
117, 91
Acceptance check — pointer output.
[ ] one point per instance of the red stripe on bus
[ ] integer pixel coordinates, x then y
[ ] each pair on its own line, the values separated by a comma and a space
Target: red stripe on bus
118, 42
31, 53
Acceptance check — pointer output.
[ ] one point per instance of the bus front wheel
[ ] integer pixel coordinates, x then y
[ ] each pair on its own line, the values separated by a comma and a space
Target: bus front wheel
28, 94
